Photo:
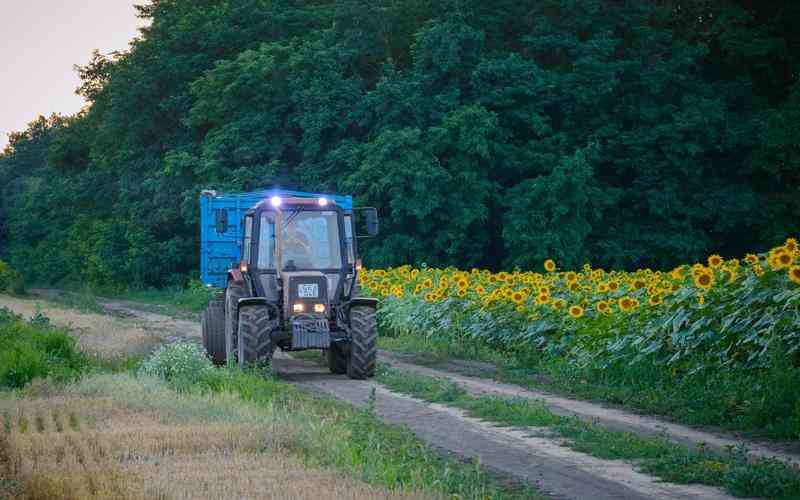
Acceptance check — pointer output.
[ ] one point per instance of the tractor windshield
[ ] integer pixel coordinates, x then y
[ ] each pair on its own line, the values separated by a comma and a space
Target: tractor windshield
311, 240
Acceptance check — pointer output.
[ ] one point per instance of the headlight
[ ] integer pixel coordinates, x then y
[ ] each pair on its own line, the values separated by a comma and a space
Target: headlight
298, 308
319, 308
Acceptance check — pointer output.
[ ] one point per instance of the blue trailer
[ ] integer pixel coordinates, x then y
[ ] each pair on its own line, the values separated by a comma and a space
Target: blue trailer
221, 216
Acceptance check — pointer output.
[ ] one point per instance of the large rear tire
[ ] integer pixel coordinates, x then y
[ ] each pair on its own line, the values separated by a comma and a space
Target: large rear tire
363, 344
213, 326
255, 342
233, 293
337, 359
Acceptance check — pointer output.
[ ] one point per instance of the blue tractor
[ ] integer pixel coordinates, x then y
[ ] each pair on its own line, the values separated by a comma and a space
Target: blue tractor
288, 263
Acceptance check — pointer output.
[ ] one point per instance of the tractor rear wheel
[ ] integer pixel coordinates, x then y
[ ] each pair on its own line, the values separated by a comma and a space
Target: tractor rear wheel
213, 326
363, 343
233, 293
255, 342
337, 359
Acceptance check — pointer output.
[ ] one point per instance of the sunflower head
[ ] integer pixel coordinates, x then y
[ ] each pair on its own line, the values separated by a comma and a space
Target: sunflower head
602, 287
517, 297
613, 285
704, 280
571, 276
701, 299
751, 259
576, 311
625, 304
558, 304
656, 299
715, 261
794, 274
603, 307
791, 245
542, 299
549, 265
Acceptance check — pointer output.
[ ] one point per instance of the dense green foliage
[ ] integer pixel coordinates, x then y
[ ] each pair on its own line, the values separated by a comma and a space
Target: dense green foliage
639, 133
35, 349
11, 280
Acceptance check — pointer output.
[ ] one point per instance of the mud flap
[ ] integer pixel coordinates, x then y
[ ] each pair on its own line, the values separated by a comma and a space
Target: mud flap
310, 333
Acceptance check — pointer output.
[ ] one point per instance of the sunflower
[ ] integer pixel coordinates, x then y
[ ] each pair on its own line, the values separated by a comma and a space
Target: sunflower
751, 259
542, 299
574, 287
715, 261
704, 280
492, 279
701, 299
462, 292
794, 274
603, 307
558, 304
571, 276
786, 259
480, 290
576, 311
655, 300
791, 245
639, 283
444, 282
613, 285
625, 304
549, 265
517, 297
520, 308
602, 287
758, 270
428, 283
503, 276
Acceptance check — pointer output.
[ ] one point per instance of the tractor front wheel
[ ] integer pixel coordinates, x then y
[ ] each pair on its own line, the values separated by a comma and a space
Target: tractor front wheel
254, 335
363, 343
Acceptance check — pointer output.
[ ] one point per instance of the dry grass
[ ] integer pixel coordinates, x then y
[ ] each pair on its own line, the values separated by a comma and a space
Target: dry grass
89, 444
107, 336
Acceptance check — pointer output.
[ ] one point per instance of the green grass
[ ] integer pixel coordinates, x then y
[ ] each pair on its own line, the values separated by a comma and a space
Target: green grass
35, 349
762, 403
737, 473
191, 299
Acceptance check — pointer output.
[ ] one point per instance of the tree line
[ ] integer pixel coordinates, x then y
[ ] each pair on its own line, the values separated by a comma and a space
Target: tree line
625, 133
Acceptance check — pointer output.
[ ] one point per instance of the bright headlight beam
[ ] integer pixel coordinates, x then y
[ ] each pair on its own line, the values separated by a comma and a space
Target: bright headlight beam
323, 201
276, 201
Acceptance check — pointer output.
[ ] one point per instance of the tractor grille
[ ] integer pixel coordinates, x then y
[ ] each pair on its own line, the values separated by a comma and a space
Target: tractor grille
310, 332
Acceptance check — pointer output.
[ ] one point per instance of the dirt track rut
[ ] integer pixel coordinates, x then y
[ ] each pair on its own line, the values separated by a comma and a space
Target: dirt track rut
527, 456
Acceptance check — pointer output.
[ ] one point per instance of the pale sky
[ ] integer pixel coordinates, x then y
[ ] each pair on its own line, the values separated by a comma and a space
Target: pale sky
41, 40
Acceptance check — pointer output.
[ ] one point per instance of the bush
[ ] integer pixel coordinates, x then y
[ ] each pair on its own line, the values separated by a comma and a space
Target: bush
36, 350
183, 364
10, 280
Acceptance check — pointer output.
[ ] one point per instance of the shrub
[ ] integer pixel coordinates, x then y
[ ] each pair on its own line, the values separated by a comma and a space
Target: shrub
35, 350
183, 364
10, 280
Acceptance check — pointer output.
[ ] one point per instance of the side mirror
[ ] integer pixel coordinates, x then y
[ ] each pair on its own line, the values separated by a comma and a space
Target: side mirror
370, 217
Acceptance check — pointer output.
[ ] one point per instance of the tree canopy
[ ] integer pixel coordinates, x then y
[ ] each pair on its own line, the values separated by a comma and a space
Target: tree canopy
626, 133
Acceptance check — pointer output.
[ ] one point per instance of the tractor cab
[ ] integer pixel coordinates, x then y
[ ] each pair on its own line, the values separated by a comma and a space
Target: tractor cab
295, 286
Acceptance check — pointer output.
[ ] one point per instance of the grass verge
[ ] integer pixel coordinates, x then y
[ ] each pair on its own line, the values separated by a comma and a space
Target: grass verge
735, 472
761, 403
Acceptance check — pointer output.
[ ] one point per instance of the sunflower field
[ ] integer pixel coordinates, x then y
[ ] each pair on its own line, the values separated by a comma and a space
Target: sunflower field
721, 313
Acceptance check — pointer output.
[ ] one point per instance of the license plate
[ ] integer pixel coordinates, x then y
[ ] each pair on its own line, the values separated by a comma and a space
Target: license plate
306, 291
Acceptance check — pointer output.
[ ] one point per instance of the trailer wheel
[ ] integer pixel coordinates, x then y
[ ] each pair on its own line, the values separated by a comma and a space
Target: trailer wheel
337, 359
364, 342
213, 326
233, 293
255, 342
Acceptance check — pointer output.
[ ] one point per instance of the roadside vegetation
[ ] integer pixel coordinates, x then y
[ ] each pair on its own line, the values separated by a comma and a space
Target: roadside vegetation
735, 472
710, 343
217, 432
11, 281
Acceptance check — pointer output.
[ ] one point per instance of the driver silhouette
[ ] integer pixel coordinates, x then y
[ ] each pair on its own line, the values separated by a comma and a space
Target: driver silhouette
296, 247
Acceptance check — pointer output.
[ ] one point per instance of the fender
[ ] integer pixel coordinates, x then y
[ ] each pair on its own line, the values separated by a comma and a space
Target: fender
362, 301
235, 275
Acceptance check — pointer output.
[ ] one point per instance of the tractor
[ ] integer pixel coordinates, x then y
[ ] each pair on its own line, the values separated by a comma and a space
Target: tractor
294, 283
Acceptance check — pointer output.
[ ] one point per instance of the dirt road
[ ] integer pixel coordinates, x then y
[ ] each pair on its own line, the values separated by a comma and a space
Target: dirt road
529, 456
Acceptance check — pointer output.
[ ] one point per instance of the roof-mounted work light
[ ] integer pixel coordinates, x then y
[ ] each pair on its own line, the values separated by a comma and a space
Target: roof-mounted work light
275, 201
